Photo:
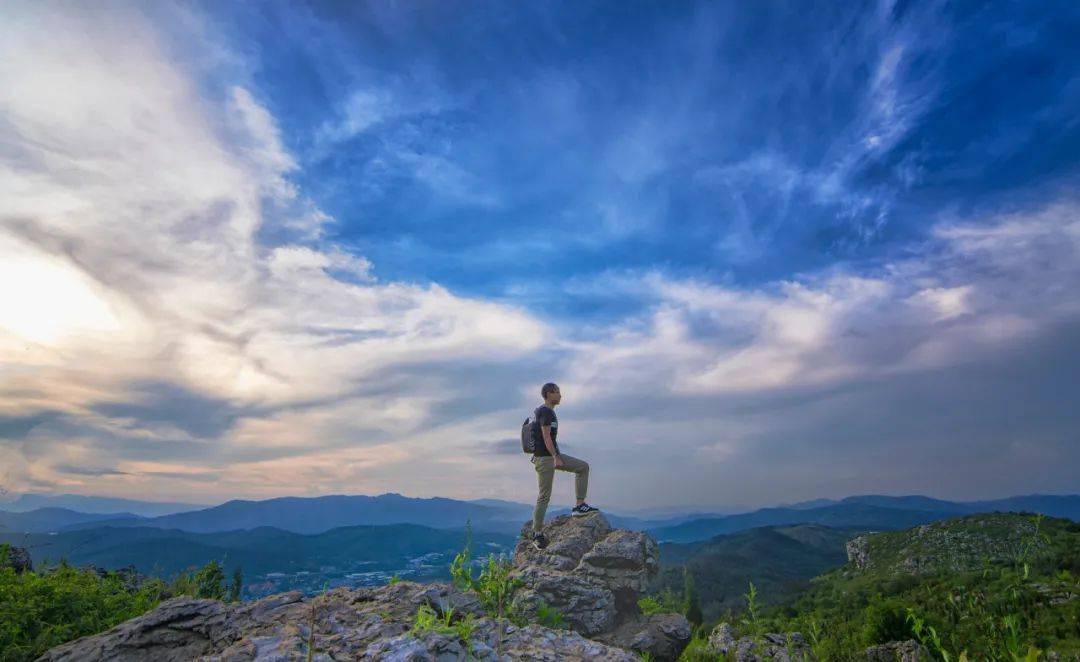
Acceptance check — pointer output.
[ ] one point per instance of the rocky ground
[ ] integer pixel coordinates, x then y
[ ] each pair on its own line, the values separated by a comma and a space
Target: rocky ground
590, 573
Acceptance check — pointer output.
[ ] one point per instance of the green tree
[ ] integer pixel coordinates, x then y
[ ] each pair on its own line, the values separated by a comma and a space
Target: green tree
691, 600
237, 585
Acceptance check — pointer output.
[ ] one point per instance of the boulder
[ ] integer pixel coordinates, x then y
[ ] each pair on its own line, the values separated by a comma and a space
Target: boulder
662, 636
858, 551
898, 651
590, 572
781, 647
593, 575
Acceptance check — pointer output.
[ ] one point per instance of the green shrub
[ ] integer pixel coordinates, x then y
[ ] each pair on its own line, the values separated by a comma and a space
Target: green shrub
885, 621
39, 610
549, 617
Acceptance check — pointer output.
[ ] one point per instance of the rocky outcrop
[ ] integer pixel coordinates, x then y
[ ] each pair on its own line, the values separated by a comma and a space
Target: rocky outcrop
898, 651
592, 574
17, 558
342, 624
858, 551
785, 647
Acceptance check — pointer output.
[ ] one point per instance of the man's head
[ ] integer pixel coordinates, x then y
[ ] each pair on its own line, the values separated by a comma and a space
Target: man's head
550, 393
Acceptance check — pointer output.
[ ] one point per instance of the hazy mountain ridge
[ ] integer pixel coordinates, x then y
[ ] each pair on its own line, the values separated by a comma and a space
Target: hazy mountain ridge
311, 515
54, 519
868, 512
96, 505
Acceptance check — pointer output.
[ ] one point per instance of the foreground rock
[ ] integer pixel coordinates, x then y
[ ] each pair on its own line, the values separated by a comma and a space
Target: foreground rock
343, 624
898, 651
786, 647
592, 574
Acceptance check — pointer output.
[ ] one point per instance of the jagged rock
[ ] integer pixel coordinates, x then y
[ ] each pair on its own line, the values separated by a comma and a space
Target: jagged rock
898, 651
722, 638
594, 575
786, 647
589, 572
663, 636
858, 551
18, 558
353, 624
588, 608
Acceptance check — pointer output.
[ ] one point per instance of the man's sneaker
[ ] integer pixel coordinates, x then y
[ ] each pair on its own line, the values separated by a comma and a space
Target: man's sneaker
539, 541
583, 509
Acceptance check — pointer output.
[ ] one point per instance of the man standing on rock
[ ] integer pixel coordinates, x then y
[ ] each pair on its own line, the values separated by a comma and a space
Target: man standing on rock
547, 458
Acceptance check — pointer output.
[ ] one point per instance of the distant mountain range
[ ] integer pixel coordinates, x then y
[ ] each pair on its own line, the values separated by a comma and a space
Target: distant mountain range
96, 505
868, 512
53, 519
320, 514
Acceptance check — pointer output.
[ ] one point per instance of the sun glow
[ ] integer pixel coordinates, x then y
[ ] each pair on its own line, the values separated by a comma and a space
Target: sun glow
45, 301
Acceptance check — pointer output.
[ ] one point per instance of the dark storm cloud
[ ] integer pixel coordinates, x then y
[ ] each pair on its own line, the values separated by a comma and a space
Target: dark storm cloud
163, 402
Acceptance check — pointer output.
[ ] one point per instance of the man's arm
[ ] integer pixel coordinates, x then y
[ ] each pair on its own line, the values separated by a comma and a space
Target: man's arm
546, 431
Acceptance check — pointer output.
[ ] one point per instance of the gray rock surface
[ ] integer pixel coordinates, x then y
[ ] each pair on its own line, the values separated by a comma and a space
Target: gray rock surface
342, 624
591, 573
898, 651
858, 551
663, 636
781, 647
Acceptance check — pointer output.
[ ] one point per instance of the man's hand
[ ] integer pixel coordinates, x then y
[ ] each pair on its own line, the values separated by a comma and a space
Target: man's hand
558, 461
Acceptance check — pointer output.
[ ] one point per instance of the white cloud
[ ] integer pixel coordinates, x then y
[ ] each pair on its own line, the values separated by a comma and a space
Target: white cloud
132, 227
980, 285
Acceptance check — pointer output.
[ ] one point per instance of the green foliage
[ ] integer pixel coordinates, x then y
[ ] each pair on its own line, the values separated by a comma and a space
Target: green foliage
237, 585
885, 621
752, 621
698, 649
692, 603
206, 582
549, 617
983, 606
394, 578
39, 610
428, 620
494, 585
664, 602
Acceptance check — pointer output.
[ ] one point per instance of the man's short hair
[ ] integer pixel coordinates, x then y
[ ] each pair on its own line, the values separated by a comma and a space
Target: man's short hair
548, 388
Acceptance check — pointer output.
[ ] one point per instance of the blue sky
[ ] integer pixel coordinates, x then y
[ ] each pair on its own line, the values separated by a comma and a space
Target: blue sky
778, 250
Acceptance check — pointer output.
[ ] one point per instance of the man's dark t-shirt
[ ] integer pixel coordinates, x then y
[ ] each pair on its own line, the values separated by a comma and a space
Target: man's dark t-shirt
545, 415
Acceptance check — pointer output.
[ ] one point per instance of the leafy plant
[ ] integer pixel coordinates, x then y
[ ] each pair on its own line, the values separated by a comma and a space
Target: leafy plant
550, 617
753, 616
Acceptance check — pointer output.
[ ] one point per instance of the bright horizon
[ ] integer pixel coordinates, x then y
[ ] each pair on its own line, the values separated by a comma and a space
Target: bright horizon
297, 249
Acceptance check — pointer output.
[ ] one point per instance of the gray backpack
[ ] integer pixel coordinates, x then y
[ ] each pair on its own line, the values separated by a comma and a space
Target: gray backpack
528, 430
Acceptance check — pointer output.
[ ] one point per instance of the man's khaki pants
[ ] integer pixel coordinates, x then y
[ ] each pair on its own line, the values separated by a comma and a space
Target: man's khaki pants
545, 474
